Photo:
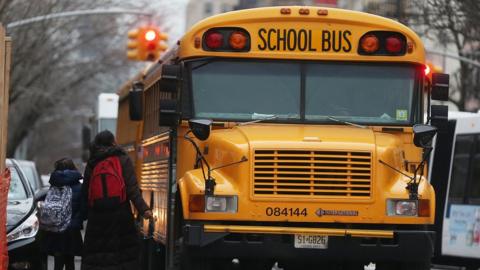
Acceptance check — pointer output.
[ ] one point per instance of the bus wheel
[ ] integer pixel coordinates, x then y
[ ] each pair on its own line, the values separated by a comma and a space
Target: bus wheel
256, 264
197, 264
156, 256
388, 266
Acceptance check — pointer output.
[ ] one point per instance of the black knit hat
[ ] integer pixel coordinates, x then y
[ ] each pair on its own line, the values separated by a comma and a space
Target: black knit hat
104, 139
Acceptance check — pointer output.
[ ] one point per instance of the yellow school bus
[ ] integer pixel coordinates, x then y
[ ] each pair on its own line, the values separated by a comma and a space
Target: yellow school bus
293, 135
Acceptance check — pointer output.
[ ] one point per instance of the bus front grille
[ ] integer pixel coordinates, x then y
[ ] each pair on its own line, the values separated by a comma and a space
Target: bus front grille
312, 174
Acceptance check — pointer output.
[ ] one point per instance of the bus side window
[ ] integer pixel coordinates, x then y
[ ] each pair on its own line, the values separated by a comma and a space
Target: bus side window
474, 185
460, 169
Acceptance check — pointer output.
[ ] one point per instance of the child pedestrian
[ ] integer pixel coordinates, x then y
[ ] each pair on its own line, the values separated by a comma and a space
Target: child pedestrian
64, 245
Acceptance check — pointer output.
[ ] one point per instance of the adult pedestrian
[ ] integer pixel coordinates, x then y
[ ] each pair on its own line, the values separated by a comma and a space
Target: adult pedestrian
111, 239
65, 245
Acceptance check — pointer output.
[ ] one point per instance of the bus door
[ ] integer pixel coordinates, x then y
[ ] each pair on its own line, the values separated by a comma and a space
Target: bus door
461, 226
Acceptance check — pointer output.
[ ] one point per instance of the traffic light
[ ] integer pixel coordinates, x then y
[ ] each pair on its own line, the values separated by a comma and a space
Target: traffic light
154, 43
146, 43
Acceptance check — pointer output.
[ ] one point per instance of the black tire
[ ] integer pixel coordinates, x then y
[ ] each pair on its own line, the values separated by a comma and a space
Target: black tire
143, 250
256, 264
388, 266
156, 256
323, 265
197, 264
355, 265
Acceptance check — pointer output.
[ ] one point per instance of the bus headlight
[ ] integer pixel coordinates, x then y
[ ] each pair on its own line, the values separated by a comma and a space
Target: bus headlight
402, 208
221, 204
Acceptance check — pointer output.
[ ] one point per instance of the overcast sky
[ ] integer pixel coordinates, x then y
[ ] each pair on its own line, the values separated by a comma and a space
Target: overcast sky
176, 19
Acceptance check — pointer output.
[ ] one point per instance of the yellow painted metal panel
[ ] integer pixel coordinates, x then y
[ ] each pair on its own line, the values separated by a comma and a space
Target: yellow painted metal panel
298, 230
346, 26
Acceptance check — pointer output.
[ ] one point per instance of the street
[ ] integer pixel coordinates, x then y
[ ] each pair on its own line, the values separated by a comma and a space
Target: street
240, 134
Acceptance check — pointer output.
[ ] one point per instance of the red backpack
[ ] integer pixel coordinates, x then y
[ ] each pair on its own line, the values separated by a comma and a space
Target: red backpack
107, 186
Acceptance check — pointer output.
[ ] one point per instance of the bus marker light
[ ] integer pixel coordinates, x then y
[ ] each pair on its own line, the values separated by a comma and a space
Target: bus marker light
423, 208
285, 11
409, 47
214, 40
237, 40
322, 12
370, 43
196, 203
427, 70
197, 42
394, 44
304, 11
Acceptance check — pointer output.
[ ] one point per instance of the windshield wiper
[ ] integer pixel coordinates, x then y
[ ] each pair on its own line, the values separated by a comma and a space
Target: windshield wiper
259, 117
345, 122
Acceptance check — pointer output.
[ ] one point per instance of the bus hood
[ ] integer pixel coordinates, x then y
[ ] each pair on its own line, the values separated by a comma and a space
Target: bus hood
269, 136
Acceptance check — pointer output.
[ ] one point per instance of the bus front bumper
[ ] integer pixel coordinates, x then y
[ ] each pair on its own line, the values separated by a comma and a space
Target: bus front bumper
245, 241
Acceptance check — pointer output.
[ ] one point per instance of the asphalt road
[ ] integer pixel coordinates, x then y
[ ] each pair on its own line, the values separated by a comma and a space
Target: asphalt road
78, 260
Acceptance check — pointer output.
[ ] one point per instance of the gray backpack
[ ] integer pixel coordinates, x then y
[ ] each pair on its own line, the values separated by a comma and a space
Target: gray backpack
56, 213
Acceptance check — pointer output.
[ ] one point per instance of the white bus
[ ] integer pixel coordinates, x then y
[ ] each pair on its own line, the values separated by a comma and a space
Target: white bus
105, 118
106, 113
456, 163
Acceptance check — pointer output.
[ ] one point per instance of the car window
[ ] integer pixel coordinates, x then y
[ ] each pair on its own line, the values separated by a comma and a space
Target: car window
17, 189
31, 175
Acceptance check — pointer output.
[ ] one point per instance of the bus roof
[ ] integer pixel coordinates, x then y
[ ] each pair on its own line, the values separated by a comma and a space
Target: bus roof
466, 122
107, 105
340, 24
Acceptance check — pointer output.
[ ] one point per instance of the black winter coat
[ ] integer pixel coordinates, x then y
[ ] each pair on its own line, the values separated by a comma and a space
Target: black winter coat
111, 239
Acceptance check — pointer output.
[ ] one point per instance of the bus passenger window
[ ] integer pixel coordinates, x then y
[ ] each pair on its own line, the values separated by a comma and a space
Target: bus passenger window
474, 188
474, 185
460, 168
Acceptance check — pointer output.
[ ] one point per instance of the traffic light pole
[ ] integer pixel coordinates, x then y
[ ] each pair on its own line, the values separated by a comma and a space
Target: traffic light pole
75, 13
457, 57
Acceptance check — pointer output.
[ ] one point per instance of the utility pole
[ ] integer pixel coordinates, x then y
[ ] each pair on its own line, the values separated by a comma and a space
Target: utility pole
401, 12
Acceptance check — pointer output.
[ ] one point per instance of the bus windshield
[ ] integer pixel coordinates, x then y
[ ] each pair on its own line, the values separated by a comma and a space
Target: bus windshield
304, 91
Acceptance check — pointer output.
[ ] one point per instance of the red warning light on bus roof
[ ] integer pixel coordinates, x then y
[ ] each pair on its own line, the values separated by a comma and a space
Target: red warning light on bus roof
427, 70
214, 40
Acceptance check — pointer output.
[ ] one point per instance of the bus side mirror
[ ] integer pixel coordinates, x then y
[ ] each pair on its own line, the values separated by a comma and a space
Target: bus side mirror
440, 85
170, 78
169, 116
439, 115
423, 135
200, 128
135, 99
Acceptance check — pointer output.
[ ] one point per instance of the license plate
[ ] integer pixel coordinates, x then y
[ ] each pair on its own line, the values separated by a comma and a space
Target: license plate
311, 241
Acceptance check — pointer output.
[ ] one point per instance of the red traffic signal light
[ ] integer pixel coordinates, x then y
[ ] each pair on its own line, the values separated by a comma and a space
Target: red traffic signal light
146, 43
150, 35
